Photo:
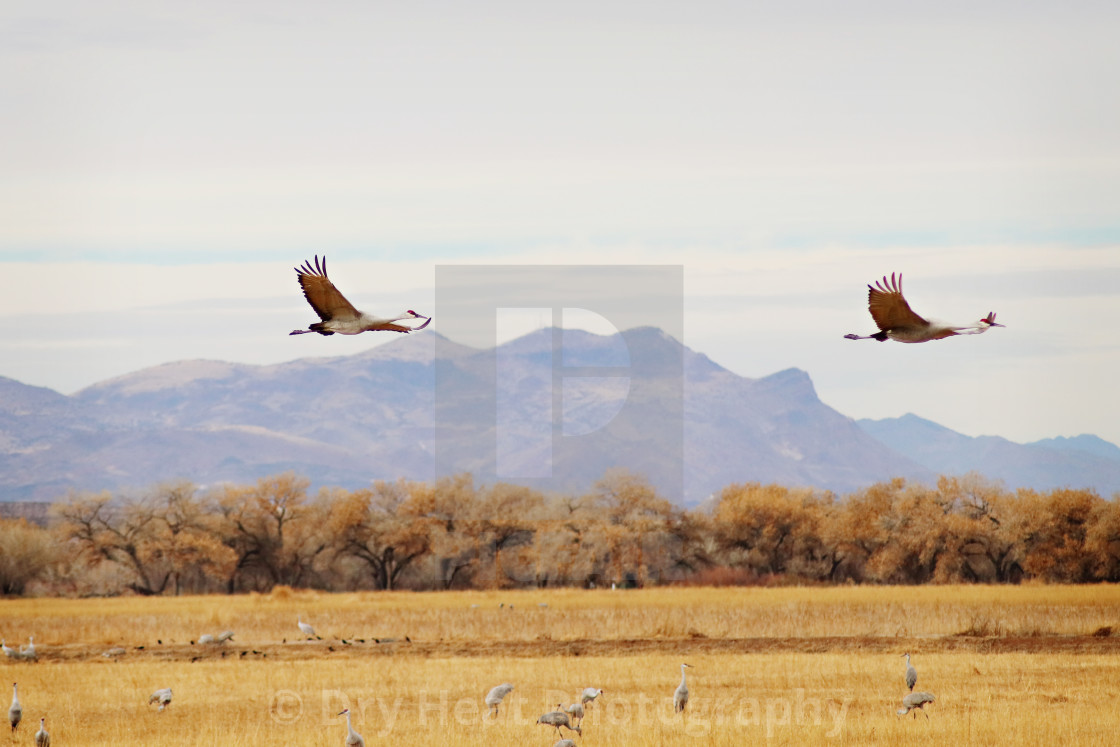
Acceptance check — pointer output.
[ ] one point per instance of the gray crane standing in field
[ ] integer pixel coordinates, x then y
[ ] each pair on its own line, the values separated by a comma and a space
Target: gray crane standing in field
557, 719
911, 674
680, 697
494, 697
10, 652
42, 738
28, 651
353, 738
589, 694
162, 696
915, 700
575, 710
305, 628
15, 711
897, 321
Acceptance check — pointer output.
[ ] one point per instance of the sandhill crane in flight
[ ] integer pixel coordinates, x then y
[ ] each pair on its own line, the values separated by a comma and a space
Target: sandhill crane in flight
897, 321
338, 314
915, 700
680, 697
494, 697
558, 718
911, 674
15, 711
42, 738
353, 738
162, 696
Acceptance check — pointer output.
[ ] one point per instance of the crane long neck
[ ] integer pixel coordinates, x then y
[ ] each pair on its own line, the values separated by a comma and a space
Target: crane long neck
682, 674
975, 328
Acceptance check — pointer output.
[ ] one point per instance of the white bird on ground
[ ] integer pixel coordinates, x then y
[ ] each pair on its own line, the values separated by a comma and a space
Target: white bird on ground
304, 628
494, 697
15, 711
911, 674
565, 743
915, 700
114, 652
589, 694
205, 638
338, 314
575, 710
42, 738
163, 697
353, 738
10, 652
896, 321
28, 651
557, 719
680, 697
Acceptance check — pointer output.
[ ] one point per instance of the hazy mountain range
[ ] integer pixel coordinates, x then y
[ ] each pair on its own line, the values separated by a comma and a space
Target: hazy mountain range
352, 419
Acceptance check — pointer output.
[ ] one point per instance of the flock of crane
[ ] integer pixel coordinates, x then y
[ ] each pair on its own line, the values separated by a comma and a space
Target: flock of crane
561, 717
15, 711
914, 701
24, 653
889, 309
570, 718
15, 715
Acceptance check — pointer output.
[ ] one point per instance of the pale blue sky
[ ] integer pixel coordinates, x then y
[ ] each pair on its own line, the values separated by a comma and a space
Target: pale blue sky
178, 159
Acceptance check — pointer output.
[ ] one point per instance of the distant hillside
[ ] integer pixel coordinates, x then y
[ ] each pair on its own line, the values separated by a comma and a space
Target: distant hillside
349, 420
1084, 443
1084, 461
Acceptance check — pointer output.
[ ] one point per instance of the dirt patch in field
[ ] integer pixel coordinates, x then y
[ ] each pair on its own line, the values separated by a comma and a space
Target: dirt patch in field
298, 650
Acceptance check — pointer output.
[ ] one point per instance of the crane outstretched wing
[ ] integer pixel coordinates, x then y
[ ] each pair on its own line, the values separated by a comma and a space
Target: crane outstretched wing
321, 293
887, 306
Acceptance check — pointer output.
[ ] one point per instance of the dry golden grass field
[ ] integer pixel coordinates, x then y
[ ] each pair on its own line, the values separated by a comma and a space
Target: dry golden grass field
1008, 665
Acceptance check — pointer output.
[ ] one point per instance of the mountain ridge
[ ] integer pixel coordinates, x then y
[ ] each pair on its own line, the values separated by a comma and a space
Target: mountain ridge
348, 420
1083, 461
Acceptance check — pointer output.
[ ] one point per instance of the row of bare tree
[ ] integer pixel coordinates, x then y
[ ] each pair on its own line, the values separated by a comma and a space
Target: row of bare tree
454, 534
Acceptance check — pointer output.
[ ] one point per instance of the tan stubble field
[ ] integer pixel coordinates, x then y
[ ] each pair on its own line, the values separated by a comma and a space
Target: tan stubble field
1008, 665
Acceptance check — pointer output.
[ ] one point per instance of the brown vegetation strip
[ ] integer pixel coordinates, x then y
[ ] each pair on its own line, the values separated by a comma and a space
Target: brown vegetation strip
305, 650
177, 539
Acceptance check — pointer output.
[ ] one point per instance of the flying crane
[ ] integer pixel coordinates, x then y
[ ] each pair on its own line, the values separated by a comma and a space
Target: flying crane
897, 321
337, 314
